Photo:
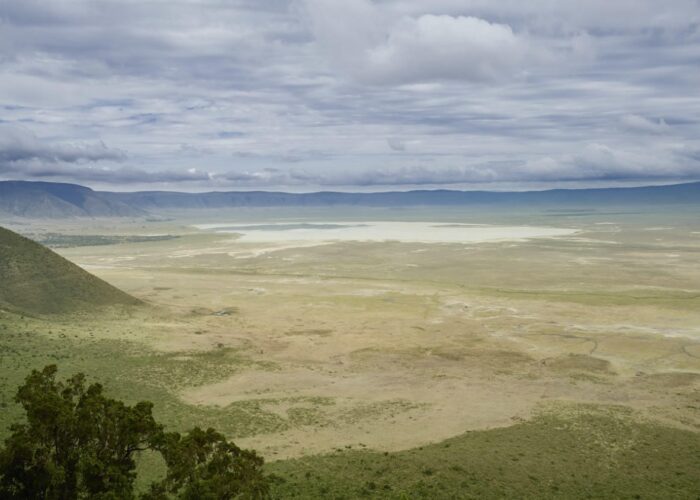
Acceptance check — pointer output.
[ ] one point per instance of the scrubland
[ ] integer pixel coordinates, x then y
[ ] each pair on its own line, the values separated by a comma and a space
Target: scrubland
564, 365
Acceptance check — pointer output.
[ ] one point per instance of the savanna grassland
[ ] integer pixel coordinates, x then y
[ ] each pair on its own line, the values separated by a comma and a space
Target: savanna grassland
564, 366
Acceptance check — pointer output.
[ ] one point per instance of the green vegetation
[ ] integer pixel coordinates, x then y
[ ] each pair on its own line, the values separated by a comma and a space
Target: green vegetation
483, 332
58, 240
586, 452
37, 281
566, 452
77, 443
131, 372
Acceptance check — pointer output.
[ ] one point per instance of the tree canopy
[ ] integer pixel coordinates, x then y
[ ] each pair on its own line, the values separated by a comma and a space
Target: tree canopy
77, 443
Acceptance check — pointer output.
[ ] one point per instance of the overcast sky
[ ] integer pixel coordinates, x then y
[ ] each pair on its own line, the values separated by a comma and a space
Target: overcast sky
303, 95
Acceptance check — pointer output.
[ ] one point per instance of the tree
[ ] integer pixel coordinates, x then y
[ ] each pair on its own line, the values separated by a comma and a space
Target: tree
202, 465
77, 443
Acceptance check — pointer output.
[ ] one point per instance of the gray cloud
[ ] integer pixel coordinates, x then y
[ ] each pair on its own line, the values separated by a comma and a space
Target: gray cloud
396, 144
18, 145
645, 125
307, 93
108, 175
23, 153
594, 162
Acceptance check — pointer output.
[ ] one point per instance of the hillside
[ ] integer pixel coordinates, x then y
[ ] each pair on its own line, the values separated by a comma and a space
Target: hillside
155, 200
36, 280
58, 200
590, 453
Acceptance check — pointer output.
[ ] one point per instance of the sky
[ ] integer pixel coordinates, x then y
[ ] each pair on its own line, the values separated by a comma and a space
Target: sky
351, 95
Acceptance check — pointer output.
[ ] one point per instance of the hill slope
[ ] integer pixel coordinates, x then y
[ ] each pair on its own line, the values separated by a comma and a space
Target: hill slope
593, 452
56, 200
36, 280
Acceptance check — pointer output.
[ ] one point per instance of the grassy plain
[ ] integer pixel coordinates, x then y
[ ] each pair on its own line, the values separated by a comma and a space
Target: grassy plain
573, 362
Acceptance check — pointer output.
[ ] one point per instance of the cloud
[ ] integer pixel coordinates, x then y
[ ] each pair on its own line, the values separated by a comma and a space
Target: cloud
93, 174
396, 144
130, 175
637, 123
307, 93
23, 154
19, 145
374, 48
433, 48
593, 163
597, 162
414, 176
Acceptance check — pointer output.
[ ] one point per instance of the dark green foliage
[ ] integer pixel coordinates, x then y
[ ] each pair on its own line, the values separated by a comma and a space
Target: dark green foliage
202, 465
36, 280
77, 443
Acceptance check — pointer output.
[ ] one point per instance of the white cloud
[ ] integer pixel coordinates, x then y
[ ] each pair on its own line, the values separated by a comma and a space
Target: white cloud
556, 16
443, 47
374, 47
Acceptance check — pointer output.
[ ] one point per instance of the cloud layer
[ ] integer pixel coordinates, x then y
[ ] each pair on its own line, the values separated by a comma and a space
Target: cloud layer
307, 94
18, 146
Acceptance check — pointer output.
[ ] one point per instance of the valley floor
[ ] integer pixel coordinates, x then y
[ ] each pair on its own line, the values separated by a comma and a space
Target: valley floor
299, 349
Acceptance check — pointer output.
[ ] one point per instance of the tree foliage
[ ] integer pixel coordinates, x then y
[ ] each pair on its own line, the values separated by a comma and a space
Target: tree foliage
203, 465
77, 443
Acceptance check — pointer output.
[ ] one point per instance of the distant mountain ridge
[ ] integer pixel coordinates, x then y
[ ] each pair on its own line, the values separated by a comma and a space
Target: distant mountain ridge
57, 200
48, 199
36, 280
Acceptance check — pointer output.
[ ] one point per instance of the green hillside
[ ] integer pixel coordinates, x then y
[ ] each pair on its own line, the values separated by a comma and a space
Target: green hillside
582, 452
36, 280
